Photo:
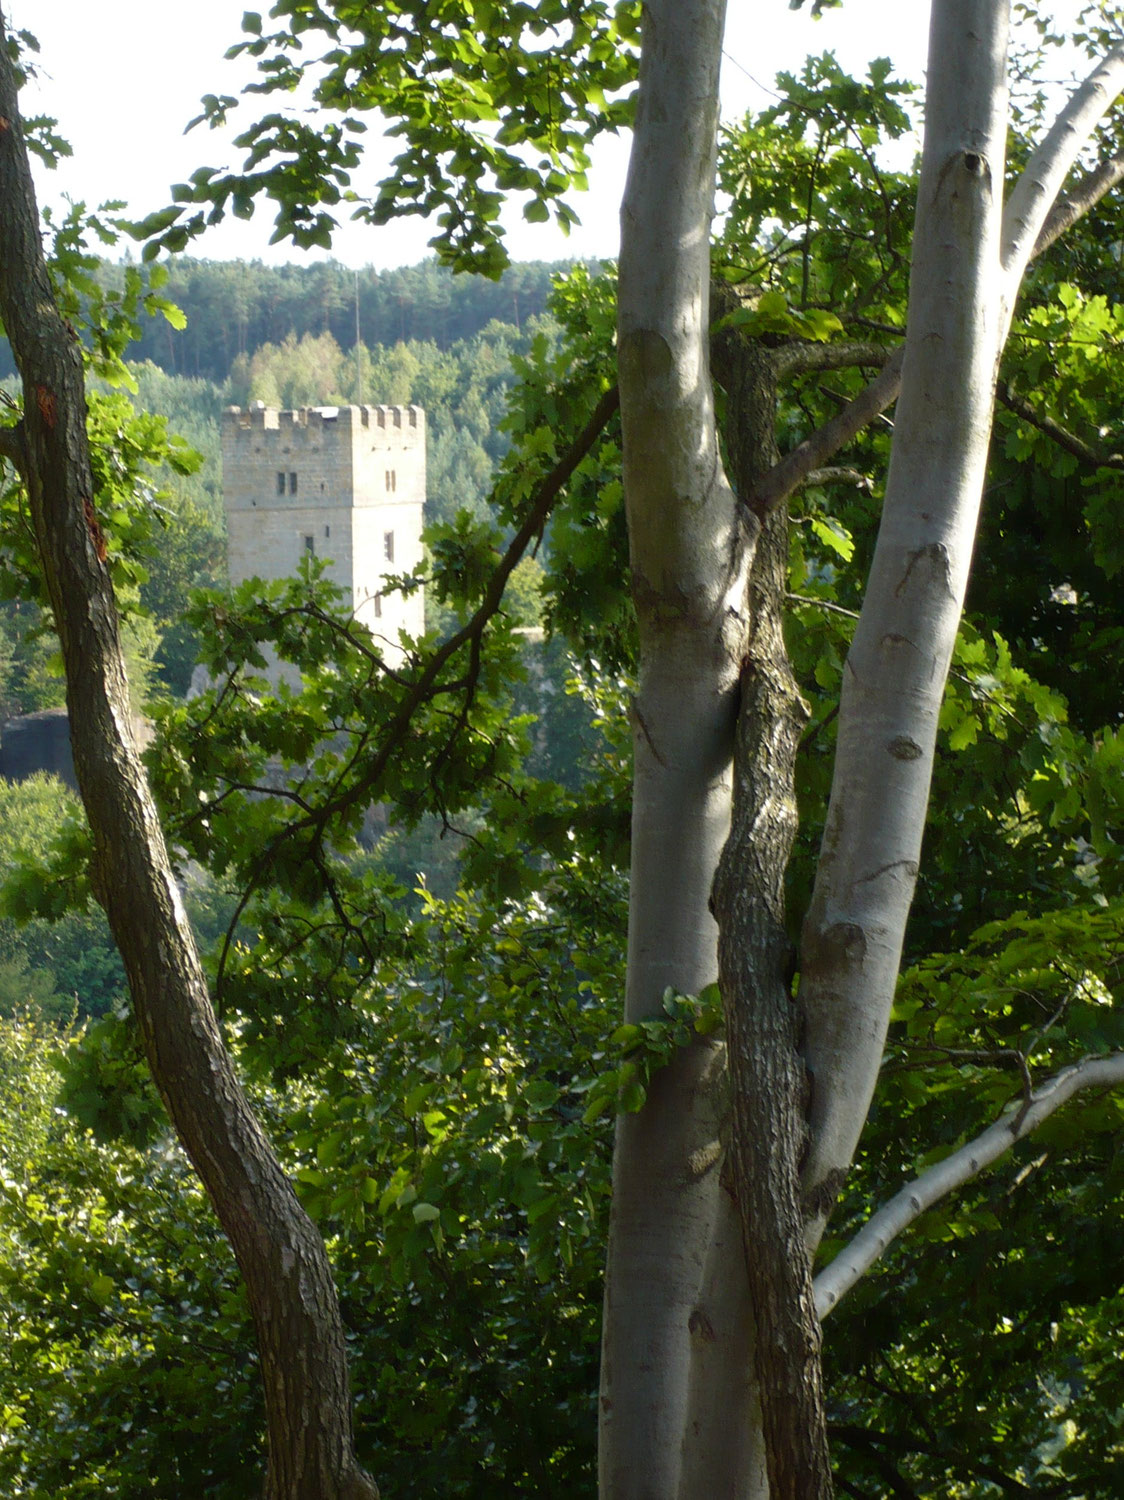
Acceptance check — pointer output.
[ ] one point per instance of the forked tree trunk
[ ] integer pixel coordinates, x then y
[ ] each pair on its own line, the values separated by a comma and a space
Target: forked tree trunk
280, 1253
962, 289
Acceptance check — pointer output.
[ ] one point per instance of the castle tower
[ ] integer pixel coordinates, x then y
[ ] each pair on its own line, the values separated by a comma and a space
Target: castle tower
343, 483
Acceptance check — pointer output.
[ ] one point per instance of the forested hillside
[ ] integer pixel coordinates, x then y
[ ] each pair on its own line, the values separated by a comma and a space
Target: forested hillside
232, 308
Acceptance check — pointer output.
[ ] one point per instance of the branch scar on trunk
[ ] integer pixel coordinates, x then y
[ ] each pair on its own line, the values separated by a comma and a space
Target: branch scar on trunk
908, 865
935, 552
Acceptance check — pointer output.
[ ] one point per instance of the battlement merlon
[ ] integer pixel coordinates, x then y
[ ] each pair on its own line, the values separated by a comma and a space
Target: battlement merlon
390, 426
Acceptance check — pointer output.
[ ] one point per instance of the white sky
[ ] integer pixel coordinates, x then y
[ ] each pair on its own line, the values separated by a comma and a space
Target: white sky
123, 77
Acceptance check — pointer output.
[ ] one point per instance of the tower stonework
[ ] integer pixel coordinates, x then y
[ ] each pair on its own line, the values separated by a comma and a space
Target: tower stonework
346, 484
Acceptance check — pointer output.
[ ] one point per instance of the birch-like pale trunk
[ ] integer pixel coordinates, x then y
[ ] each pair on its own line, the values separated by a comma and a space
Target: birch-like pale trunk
969, 259
895, 672
690, 550
1020, 1119
686, 1361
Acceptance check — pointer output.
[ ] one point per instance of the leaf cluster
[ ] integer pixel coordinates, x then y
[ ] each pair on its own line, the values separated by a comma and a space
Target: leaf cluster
491, 100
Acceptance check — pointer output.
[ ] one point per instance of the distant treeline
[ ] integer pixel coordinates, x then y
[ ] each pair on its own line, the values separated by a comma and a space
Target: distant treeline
234, 307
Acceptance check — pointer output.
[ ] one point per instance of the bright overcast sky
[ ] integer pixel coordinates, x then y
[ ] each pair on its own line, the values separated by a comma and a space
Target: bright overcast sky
123, 77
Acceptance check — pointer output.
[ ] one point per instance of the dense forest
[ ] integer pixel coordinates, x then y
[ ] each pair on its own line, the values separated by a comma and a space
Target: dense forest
233, 308
843, 834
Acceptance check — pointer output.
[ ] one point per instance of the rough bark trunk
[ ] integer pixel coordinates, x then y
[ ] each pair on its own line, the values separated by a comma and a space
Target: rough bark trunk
767, 1075
896, 669
280, 1253
690, 549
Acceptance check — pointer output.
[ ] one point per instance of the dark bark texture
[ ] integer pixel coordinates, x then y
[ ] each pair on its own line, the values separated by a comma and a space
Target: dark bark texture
279, 1251
768, 1080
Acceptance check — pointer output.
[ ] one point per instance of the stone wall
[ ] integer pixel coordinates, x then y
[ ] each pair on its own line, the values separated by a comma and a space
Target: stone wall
37, 742
344, 483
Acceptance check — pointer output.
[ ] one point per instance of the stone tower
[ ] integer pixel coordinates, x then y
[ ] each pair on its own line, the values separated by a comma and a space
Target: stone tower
343, 483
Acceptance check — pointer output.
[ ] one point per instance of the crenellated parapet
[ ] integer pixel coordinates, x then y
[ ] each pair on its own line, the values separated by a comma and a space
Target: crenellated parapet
262, 425
346, 484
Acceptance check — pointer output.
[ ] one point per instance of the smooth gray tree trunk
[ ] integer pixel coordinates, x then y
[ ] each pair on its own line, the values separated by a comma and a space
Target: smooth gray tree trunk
690, 550
895, 672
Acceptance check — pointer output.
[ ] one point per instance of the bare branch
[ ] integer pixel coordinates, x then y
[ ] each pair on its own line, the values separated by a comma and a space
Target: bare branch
1084, 196
802, 356
825, 604
839, 476
1019, 1120
793, 470
1034, 194
1022, 408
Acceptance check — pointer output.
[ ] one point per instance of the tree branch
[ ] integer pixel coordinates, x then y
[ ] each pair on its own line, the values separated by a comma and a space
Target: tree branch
1034, 194
1018, 1121
803, 356
471, 634
1076, 203
839, 476
888, 1472
1030, 225
787, 476
1022, 408
363, 788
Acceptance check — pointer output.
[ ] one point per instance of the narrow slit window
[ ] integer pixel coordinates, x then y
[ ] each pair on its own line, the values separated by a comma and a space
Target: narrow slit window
280, 482
292, 484
378, 606
310, 545
388, 545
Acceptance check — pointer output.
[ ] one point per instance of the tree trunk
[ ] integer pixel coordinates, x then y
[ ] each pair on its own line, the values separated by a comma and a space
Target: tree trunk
282, 1258
691, 556
723, 1442
898, 663
767, 1077
690, 550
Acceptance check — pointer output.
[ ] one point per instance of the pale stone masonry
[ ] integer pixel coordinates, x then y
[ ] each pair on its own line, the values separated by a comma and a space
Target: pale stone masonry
345, 483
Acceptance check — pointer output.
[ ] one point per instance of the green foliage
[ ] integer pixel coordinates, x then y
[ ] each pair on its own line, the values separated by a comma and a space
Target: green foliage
484, 108
121, 1306
107, 316
443, 1149
815, 219
638, 1051
57, 958
232, 308
464, 389
455, 1172
129, 450
1017, 1387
